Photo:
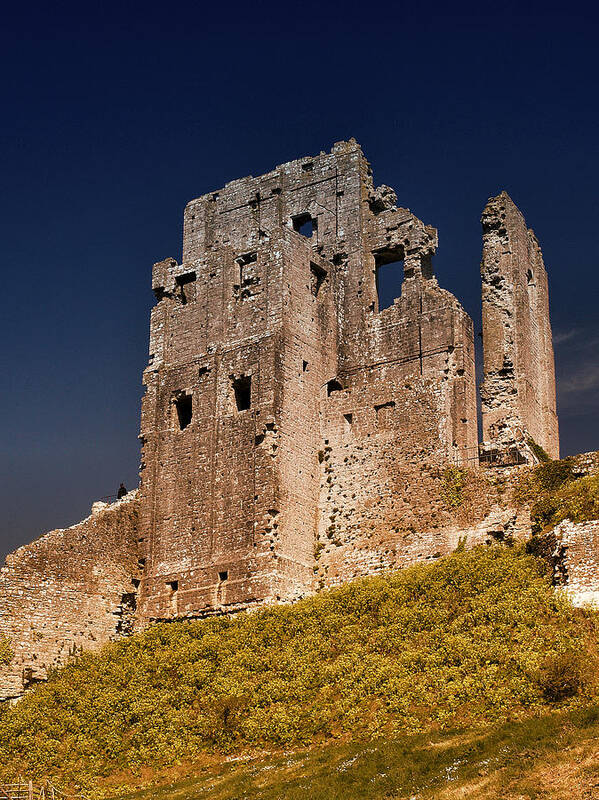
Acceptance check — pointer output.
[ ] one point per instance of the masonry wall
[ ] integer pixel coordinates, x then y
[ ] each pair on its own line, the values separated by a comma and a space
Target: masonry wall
518, 391
278, 287
572, 550
69, 590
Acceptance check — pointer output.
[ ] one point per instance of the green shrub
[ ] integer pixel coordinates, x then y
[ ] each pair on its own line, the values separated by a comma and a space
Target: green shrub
460, 641
577, 500
561, 676
539, 452
552, 475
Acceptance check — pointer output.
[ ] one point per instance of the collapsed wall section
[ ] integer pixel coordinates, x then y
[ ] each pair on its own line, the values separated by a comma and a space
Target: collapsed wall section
572, 551
68, 591
518, 390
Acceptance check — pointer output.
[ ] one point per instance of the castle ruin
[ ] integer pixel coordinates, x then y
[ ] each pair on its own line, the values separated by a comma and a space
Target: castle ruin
293, 430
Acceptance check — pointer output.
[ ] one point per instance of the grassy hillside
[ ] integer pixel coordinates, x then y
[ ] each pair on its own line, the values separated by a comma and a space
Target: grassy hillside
554, 756
473, 639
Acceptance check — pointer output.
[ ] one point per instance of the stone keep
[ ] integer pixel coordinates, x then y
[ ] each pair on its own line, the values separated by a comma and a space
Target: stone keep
268, 349
295, 432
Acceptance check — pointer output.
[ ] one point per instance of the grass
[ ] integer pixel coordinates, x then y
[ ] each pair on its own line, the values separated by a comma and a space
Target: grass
475, 639
521, 760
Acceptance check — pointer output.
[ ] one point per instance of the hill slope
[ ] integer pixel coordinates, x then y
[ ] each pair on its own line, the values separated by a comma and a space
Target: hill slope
555, 756
475, 638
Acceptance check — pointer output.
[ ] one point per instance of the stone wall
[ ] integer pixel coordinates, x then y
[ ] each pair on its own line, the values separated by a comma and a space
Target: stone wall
518, 391
265, 342
572, 550
68, 591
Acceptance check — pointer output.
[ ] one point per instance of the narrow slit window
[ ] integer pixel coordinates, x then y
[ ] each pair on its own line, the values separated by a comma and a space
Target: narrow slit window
242, 388
318, 276
348, 420
184, 409
389, 277
305, 225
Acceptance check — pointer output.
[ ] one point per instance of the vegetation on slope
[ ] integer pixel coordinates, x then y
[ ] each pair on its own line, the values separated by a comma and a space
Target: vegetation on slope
556, 494
477, 637
553, 756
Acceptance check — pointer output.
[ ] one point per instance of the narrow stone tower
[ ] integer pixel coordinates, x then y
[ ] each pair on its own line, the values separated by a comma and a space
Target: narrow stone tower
518, 391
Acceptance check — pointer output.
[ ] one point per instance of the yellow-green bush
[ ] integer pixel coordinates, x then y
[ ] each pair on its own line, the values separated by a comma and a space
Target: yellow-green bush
555, 493
6, 652
576, 500
452, 486
458, 642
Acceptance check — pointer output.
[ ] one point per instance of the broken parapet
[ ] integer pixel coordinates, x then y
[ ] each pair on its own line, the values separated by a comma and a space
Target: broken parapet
518, 391
70, 590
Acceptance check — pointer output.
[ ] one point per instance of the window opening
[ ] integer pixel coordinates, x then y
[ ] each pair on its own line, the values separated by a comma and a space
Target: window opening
308, 166
529, 276
186, 286
305, 225
244, 261
383, 414
184, 406
333, 386
318, 276
242, 388
173, 586
223, 576
389, 277
304, 366
349, 420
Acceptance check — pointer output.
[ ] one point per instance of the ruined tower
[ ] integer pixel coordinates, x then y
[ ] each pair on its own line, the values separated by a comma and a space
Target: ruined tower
518, 391
298, 429
269, 349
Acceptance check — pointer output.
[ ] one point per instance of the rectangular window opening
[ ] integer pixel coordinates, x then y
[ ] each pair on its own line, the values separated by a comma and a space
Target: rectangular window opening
184, 406
186, 286
173, 586
304, 366
349, 421
223, 576
384, 413
242, 388
318, 276
389, 266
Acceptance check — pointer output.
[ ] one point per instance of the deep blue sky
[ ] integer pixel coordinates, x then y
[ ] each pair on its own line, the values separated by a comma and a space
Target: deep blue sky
115, 116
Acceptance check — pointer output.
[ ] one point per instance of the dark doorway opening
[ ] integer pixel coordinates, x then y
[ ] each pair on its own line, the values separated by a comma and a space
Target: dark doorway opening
184, 406
243, 392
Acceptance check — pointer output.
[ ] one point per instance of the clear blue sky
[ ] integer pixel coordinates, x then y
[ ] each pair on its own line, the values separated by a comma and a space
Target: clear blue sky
114, 116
